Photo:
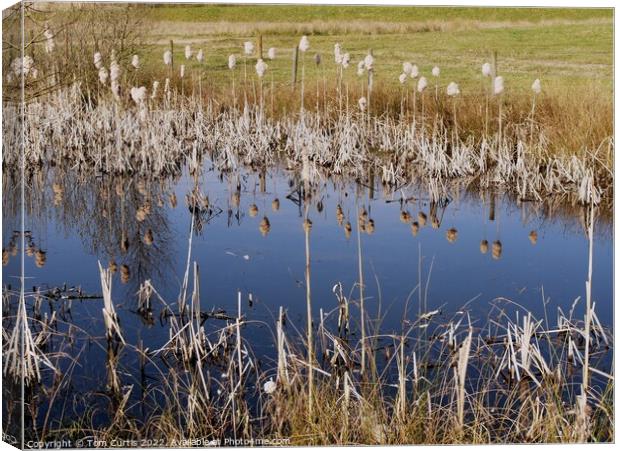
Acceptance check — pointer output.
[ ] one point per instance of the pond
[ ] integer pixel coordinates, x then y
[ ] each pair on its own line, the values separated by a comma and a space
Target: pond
467, 251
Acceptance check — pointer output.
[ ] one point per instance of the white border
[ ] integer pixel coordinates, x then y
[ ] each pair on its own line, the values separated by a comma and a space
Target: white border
521, 3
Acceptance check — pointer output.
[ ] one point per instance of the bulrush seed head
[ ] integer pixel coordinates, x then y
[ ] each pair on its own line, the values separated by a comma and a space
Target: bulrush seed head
271, 53
98, 60
188, 52
304, 44
422, 84
167, 57
435, 71
232, 61
498, 85
486, 70
453, 89
536, 86
337, 53
135, 62
362, 102
248, 48
261, 68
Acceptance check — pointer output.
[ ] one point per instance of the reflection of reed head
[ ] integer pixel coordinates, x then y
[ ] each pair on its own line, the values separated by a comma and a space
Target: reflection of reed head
415, 228
484, 246
113, 266
497, 250
347, 230
265, 226
339, 215
422, 218
148, 237
236, 199
405, 217
5, 257
125, 274
253, 210
451, 235
533, 236
435, 222
173, 200
275, 204
307, 225
40, 258
370, 226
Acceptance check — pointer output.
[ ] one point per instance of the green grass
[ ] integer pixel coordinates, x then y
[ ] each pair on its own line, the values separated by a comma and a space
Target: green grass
565, 55
287, 13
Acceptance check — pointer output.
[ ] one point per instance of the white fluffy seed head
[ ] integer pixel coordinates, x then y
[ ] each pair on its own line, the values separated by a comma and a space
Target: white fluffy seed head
188, 52
167, 57
98, 60
304, 44
360, 68
155, 88
414, 71
486, 70
103, 75
269, 387
453, 89
49, 41
135, 61
407, 66
337, 53
248, 47
182, 70
369, 62
536, 86
261, 68
138, 95
346, 60
271, 53
116, 89
422, 84
232, 61
402, 78
435, 71
25, 65
200, 56
362, 102
498, 85
115, 71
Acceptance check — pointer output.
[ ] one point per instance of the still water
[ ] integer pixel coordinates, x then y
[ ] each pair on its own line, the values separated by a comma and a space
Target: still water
244, 240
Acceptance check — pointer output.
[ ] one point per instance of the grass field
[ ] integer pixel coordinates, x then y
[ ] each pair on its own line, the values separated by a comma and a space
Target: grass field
565, 47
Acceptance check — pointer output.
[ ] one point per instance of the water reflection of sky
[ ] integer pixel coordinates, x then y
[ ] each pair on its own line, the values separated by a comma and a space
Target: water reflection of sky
237, 256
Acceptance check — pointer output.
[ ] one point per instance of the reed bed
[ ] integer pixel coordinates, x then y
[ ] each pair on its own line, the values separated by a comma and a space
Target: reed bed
160, 137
